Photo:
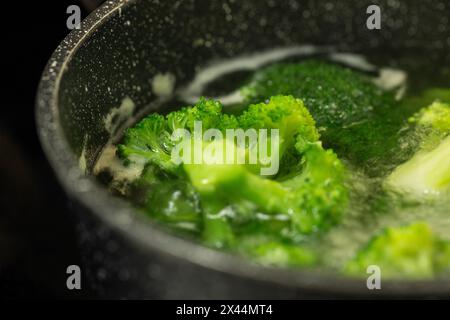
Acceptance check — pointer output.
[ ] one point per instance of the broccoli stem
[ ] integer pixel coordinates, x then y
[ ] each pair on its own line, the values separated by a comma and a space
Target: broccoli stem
217, 231
427, 172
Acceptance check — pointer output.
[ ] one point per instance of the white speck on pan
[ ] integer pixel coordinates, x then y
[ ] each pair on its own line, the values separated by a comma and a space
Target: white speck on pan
163, 84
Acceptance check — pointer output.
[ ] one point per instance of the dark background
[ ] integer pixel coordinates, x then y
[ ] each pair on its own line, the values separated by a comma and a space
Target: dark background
37, 240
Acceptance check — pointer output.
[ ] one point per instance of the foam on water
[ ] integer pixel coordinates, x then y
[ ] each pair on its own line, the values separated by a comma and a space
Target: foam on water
388, 79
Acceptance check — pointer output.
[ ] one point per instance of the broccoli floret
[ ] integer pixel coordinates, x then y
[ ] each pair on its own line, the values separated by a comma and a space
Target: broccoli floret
170, 199
320, 193
336, 96
433, 123
149, 141
428, 170
209, 112
310, 192
220, 187
314, 199
355, 118
296, 128
406, 252
285, 113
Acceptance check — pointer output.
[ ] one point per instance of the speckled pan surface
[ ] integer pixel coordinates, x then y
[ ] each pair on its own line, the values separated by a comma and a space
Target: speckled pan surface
116, 54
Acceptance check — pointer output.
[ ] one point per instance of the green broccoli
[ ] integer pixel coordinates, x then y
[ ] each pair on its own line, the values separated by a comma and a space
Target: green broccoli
209, 112
150, 141
314, 199
285, 113
310, 191
336, 96
355, 118
319, 192
170, 199
428, 170
433, 122
221, 186
296, 125
411, 251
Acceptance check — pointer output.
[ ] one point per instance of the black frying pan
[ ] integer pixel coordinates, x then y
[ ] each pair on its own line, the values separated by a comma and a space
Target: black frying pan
121, 46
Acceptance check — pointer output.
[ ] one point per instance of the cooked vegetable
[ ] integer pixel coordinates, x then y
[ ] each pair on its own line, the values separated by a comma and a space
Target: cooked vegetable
314, 200
428, 171
335, 96
319, 194
355, 117
150, 141
289, 115
170, 199
406, 252
313, 197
